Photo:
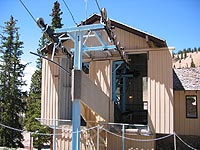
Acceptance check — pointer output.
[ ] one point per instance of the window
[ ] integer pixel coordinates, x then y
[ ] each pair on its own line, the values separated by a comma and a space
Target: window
191, 106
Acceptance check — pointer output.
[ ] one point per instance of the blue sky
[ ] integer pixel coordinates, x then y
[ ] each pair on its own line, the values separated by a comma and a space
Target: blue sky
176, 21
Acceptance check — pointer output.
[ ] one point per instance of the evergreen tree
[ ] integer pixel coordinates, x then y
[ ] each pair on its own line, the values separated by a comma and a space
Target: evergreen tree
11, 95
189, 50
185, 53
34, 100
56, 13
195, 49
192, 64
181, 55
34, 104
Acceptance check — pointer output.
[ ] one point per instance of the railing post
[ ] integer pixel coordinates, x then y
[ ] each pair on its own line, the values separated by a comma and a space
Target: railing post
174, 141
123, 136
76, 125
97, 137
54, 135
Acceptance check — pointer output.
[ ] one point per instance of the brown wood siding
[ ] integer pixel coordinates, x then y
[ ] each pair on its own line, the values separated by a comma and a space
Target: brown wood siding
160, 84
90, 95
88, 140
100, 73
183, 125
129, 40
115, 142
49, 97
65, 103
56, 91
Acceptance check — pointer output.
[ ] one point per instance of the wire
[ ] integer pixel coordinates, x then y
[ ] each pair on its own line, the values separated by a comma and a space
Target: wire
11, 128
138, 140
86, 10
70, 12
185, 142
51, 62
100, 127
28, 11
98, 5
18, 130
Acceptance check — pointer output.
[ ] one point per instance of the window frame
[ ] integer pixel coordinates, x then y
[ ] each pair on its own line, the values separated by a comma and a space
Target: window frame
186, 111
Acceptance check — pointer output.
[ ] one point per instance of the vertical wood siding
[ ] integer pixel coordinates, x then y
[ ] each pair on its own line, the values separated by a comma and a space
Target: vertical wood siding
100, 73
108, 141
160, 91
56, 91
183, 125
49, 98
65, 103
129, 40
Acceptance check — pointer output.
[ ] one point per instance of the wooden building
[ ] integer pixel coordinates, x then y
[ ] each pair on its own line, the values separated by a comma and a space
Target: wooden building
186, 101
139, 91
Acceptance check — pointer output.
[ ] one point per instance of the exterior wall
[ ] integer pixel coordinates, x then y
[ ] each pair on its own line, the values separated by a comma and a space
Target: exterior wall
183, 125
64, 95
49, 97
115, 142
100, 72
107, 140
129, 40
160, 91
56, 91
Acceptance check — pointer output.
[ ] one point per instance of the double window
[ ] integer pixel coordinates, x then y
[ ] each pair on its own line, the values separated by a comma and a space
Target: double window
191, 106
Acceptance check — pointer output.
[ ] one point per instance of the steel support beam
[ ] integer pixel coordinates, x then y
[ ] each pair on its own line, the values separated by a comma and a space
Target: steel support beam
77, 34
76, 124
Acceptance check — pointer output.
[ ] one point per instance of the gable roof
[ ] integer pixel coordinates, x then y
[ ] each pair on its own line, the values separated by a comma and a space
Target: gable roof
186, 79
157, 41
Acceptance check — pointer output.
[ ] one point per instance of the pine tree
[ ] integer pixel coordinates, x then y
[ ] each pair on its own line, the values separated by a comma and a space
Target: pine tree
181, 55
195, 49
34, 100
192, 64
185, 53
11, 82
56, 13
34, 104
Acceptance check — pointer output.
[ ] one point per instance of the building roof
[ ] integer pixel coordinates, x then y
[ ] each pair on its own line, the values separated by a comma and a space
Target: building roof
157, 41
186, 79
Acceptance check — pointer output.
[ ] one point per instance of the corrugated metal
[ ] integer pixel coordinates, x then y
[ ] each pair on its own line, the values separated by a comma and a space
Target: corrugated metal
160, 87
183, 125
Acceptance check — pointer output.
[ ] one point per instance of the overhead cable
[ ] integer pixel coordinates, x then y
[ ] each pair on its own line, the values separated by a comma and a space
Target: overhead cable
28, 11
52, 62
70, 12
98, 5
